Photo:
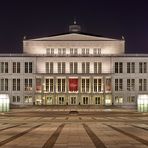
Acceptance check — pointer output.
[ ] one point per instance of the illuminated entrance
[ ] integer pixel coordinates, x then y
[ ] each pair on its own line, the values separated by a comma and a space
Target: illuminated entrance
4, 103
142, 103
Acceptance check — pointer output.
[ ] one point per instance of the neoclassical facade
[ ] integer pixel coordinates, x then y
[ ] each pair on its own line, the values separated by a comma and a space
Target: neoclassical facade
74, 69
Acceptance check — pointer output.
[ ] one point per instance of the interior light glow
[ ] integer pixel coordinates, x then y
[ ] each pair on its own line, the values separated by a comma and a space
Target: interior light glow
4, 103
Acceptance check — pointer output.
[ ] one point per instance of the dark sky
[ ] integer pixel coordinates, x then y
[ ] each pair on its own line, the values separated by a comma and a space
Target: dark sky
39, 18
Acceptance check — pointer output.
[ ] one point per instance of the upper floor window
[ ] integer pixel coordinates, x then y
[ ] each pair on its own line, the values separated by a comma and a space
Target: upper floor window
142, 84
130, 67
49, 67
73, 67
131, 84
97, 85
97, 67
16, 67
16, 85
50, 51
85, 85
3, 67
61, 51
85, 67
28, 67
61, 85
96, 51
49, 85
61, 67
28, 84
3, 84
118, 67
142, 67
118, 84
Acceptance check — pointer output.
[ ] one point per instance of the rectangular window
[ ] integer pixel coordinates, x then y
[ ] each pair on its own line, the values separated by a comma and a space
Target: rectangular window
4, 84
85, 85
83, 51
28, 85
142, 84
75, 67
16, 67
71, 67
16, 85
59, 67
97, 85
49, 85
50, 51
142, 67
63, 67
131, 84
47, 67
87, 51
97, 51
61, 85
16, 99
131, 99
75, 51
97, 67
28, 99
59, 51
118, 84
3, 67
118, 67
118, 99
85, 67
51, 67
28, 67
71, 51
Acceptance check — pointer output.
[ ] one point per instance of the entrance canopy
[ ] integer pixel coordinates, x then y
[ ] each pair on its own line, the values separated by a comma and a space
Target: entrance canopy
4, 103
142, 103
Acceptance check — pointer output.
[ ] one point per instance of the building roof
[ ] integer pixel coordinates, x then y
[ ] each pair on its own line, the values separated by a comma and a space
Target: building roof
74, 37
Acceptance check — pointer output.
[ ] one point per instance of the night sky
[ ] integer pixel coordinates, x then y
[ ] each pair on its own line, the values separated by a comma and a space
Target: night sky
108, 18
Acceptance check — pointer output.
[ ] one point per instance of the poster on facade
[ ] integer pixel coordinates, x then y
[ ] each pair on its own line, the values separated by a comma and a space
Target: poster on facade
73, 84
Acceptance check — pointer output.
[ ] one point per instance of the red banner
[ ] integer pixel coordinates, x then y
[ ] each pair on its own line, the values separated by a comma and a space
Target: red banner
73, 84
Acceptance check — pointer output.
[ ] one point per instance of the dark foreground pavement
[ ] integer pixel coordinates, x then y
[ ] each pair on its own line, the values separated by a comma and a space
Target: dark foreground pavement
41, 128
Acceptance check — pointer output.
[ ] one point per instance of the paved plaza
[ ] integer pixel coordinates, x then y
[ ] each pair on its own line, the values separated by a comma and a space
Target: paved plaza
63, 129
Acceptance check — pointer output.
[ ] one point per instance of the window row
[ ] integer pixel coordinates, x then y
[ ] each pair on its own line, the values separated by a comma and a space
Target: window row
16, 67
130, 85
130, 67
73, 67
73, 85
121, 100
73, 100
73, 51
16, 84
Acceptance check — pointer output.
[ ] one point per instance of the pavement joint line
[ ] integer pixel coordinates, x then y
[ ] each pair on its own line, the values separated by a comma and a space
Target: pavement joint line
52, 140
18, 135
96, 141
144, 128
11, 127
145, 142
